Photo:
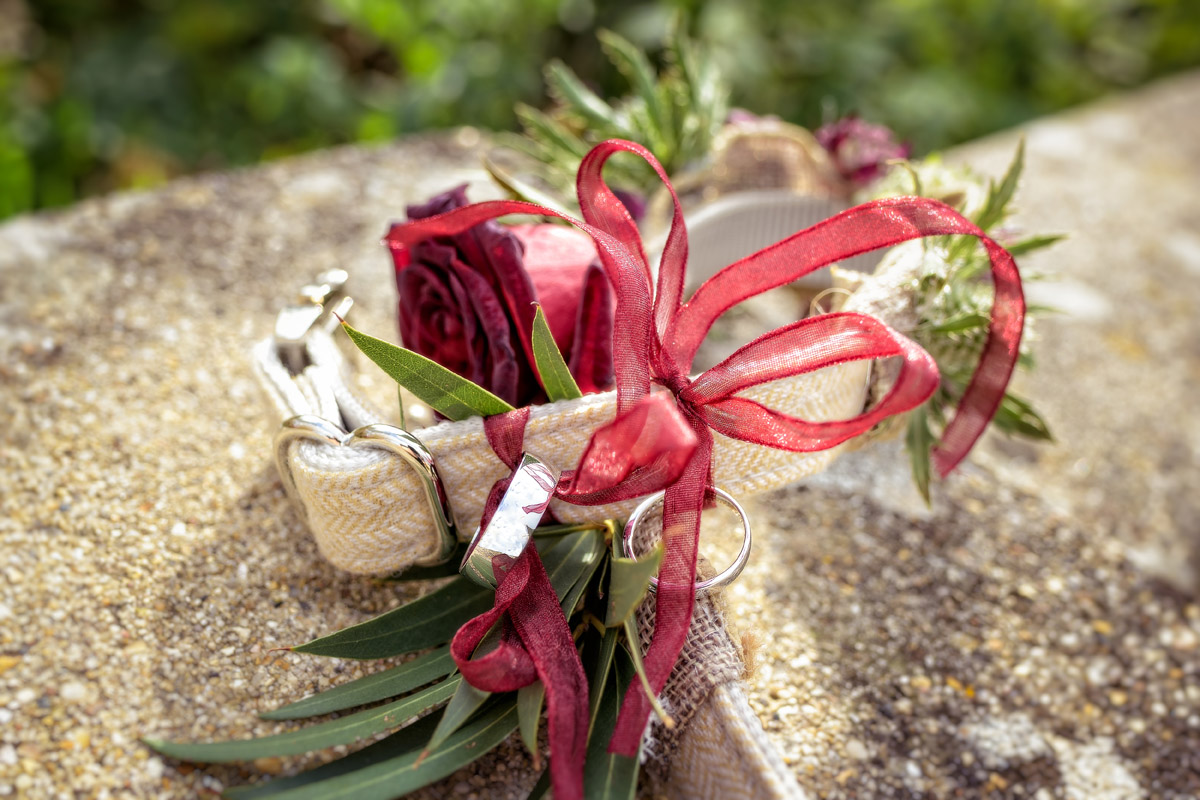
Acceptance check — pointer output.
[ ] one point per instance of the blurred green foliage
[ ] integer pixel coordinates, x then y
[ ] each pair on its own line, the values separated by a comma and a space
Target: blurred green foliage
104, 94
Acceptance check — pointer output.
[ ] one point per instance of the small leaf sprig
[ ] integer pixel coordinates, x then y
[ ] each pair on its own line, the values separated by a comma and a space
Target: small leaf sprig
676, 113
953, 300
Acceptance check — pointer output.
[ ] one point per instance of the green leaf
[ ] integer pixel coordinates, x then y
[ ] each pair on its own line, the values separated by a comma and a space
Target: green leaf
431, 620
344, 730
995, 208
599, 672
551, 133
465, 702
552, 369
379, 686
428, 621
529, 715
566, 563
633, 64
544, 539
628, 585
407, 739
386, 774
634, 648
589, 562
1000, 196
571, 561
540, 788
522, 189
966, 322
565, 87
1015, 416
1034, 243
608, 776
919, 441
451, 395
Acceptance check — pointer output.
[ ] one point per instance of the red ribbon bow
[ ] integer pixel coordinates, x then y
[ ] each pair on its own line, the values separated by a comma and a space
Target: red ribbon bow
664, 440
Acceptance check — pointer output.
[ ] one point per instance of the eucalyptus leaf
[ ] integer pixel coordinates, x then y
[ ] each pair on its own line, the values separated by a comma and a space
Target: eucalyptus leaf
552, 369
370, 688
344, 730
529, 714
389, 774
629, 581
451, 395
428, 621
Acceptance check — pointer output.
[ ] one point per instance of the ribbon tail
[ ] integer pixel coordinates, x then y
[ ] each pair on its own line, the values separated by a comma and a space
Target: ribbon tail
505, 435
997, 361
676, 595
535, 642
544, 630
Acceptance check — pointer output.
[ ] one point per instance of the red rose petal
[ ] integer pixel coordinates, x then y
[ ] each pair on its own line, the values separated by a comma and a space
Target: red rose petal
591, 354
557, 258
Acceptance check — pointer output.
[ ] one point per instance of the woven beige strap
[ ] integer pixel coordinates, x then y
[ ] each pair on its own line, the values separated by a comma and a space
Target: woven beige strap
725, 754
366, 509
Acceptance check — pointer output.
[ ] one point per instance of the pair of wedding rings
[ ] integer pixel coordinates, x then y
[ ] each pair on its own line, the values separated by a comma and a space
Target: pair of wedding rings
512, 526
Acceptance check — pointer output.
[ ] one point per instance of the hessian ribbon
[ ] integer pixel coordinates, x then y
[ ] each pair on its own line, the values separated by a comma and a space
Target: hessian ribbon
663, 439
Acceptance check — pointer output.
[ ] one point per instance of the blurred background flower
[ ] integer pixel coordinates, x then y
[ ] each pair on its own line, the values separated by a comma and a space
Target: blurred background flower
97, 95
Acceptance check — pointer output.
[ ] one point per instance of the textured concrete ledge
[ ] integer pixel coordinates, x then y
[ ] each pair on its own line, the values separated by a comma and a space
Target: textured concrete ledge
1034, 634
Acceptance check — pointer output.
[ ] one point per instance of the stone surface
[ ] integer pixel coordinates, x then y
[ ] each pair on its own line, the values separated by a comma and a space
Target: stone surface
1034, 634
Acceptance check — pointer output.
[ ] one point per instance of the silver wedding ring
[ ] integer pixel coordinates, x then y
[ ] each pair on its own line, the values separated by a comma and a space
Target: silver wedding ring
497, 544
728, 575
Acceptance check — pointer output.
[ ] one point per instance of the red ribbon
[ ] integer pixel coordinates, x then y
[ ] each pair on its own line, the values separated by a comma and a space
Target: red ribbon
534, 643
665, 439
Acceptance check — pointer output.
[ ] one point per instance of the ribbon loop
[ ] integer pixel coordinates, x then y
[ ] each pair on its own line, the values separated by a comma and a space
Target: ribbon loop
664, 440
535, 642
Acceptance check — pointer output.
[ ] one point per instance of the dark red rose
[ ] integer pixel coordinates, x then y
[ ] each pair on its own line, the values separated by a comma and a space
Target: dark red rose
467, 302
859, 149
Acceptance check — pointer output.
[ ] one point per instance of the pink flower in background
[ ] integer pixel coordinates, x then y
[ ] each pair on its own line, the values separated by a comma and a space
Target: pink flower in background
467, 302
859, 149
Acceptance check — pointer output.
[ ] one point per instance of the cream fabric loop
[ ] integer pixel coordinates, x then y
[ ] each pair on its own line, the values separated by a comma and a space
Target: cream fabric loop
368, 515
